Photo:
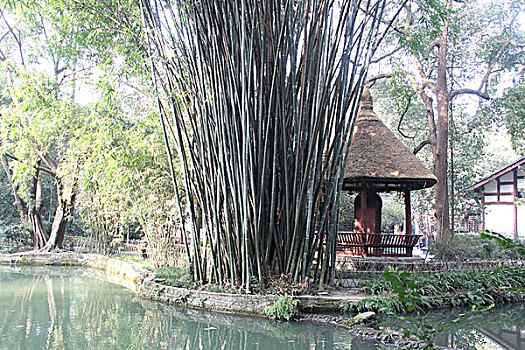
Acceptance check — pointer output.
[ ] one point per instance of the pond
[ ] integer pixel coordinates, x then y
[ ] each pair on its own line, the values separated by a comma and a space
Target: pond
73, 308
502, 327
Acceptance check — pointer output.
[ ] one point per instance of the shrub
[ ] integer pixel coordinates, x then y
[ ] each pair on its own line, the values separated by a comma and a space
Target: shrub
470, 247
452, 288
174, 276
284, 308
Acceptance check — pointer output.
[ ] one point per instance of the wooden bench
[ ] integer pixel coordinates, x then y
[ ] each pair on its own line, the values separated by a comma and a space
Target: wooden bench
375, 244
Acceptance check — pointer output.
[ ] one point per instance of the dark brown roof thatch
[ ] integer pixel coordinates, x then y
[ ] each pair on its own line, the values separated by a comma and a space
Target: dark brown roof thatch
379, 159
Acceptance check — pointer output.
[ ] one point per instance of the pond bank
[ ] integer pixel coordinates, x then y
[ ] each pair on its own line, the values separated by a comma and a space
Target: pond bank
139, 280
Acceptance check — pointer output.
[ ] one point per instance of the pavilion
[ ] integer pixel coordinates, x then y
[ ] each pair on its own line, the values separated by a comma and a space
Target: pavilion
379, 162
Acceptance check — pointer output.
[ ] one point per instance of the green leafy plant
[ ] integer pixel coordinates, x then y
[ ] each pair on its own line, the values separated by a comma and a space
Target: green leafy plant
504, 241
284, 308
471, 248
174, 276
482, 286
407, 293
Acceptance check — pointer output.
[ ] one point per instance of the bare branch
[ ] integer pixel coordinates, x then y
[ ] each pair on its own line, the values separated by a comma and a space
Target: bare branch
38, 167
485, 79
402, 117
386, 55
420, 146
15, 36
427, 83
370, 82
433, 45
469, 92
10, 156
46, 170
516, 43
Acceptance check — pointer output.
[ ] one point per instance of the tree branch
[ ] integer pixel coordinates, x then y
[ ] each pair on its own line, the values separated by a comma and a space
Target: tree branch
38, 167
469, 92
403, 116
46, 170
420, 146
16, 37
386, 55
370, 82
424, 77
10, 156
433, 45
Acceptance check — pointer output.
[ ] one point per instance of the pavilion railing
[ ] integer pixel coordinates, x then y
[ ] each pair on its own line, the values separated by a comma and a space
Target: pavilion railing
375, 244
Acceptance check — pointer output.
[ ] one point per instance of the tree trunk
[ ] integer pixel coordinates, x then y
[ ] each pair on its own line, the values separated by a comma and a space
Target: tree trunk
19, 203
63, 215
440, 152
35, 213
30, 213
37, 229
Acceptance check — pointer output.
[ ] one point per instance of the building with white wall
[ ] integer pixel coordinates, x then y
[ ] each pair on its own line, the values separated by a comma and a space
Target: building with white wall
503, 200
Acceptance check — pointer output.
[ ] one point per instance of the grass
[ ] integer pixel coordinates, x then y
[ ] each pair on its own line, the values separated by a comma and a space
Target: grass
144, 263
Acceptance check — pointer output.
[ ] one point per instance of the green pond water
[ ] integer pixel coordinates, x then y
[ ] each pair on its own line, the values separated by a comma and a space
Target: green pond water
69, 308
499, 328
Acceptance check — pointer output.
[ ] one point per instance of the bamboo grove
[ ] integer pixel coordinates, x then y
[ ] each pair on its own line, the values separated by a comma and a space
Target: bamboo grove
258, 98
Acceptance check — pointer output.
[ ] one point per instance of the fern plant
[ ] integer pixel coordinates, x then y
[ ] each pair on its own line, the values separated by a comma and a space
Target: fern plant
283, 309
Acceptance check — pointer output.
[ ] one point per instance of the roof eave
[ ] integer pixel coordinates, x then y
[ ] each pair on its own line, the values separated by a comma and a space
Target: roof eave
389, 184
497, 174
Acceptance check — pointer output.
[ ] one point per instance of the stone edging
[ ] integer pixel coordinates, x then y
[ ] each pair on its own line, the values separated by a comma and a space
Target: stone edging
117, 271
244, 304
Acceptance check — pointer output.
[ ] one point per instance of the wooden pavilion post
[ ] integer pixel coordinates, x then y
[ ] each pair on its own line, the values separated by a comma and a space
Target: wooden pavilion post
362, 218
408, 221
408, 214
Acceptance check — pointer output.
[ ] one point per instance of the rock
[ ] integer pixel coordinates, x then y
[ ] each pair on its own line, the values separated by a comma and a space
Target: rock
364, 317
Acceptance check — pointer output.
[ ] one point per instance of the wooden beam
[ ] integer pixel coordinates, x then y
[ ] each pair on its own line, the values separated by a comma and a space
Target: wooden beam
408, 214
500, 194
499, 203
482, 212
498, 189
499, 173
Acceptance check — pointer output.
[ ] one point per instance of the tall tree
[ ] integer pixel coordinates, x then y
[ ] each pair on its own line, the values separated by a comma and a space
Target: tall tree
46, 48
452, 49
35, 130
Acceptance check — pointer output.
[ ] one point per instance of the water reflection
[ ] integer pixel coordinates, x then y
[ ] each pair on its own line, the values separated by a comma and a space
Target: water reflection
500, 328
65, 308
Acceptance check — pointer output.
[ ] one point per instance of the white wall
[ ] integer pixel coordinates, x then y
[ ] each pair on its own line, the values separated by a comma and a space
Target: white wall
521, 221
500, 218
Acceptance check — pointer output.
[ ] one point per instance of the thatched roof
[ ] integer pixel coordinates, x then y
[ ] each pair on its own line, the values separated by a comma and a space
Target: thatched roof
379, 159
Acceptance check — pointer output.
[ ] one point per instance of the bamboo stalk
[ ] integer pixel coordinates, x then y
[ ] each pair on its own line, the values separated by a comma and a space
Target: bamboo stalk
263, 96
